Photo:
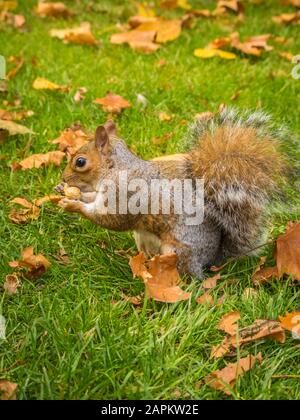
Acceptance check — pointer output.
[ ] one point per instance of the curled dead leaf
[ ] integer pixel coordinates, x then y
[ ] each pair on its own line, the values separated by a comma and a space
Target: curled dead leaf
11, 284
81, 35
72, 139
160, 276
229, 321
288, 251
13, 128
40, 159
56, 9
224, 380
36, 265
41, 83
7, 390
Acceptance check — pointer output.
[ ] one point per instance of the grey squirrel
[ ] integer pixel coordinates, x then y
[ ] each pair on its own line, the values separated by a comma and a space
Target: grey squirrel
237, 156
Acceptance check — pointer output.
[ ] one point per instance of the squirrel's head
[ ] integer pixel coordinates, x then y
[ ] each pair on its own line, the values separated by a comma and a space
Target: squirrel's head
92, 161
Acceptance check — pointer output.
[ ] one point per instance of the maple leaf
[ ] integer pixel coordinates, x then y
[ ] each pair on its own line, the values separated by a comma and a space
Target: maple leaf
288, 251
36, 265
113, 103
7, 390
72, 139
225, 379
81, 35
56, 9
160, 276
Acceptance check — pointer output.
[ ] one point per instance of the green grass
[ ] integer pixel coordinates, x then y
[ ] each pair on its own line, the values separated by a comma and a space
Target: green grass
65, 338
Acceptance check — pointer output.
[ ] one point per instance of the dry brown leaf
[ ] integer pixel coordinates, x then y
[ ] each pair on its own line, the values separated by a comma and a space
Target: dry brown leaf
15, 115
72, 139
80, 94
36, 265
81, 35
56, 9
291, 322
135, 300
40, 159
113, 103
28, 213
211, 282
164, 116
17, 21
252, 46
264, 275
11, 284
143, 41
287, 18
228, 323
260, 329
295, 3
172, 4
13, 128
204, 299
7, 390
287, 55
43, 84
160, 276
288, 251
53, 198
18, 62
225, 379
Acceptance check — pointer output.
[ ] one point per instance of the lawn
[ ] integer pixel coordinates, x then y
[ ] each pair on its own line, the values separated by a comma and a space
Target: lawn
70, 334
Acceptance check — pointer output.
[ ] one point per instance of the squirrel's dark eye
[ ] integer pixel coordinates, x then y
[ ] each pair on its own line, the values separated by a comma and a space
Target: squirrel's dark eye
80, 162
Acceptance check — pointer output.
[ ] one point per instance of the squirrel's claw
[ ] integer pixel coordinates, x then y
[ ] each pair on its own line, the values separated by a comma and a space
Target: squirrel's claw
70, 205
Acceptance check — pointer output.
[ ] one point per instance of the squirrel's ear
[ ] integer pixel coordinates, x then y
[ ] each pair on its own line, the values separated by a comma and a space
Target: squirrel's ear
102, 140
111, 128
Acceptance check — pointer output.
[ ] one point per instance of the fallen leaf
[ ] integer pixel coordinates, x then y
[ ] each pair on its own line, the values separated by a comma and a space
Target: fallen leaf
7, 389
287, 55
41, 159
228, 323
15, 115
113, 103
11, 284
264, 275
143, 41
17, 21
295, 3
62, 256
81, 35
288, 251
79, 95
43, 84
53, 198
166, 30
135, 300
160, 276
287, 18
56, 9
251, 46
164, 116
28, 213
211, 282
72, 139
260, 329
145, 9
36, 265
225, 379
13, 128
291, 322
206, 298
214, 52
172, 4
18, 62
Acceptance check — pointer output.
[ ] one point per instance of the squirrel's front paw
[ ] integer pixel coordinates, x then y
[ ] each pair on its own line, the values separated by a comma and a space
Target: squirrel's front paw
70, 205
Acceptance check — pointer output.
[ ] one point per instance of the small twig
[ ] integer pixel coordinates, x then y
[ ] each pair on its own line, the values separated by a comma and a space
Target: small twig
285, 376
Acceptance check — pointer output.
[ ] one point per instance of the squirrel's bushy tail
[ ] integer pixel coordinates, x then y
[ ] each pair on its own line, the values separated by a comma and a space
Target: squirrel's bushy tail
238, 157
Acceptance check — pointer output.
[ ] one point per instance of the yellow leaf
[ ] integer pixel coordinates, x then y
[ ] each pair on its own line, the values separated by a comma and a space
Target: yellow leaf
209, 53
43, 84
184, 4
145, 10
8, 5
